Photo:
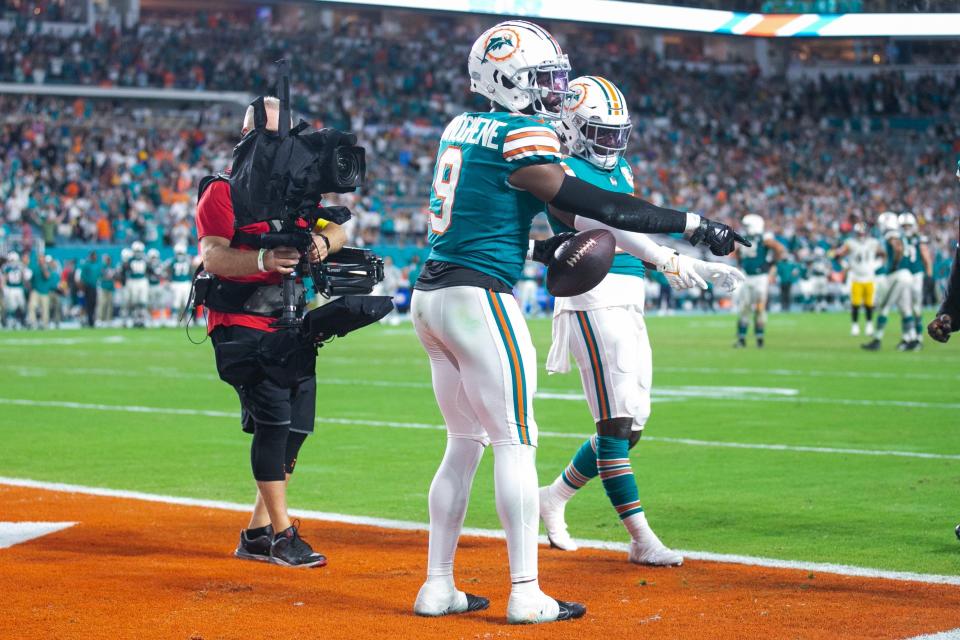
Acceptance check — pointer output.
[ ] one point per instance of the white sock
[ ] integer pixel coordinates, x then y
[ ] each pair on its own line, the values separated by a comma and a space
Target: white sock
561, 491
518, 505
449, 494
639, 528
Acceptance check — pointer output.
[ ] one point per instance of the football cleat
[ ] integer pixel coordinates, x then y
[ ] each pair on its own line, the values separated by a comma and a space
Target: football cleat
957, 531
869, 329
903, 345
759, 343
551, 512
873, 345
256, 548
915, 345
440, 600
855, 330
740, 344
541, 608
654, 554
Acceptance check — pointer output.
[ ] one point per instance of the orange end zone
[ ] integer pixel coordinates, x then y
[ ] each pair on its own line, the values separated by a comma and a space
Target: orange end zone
132, 569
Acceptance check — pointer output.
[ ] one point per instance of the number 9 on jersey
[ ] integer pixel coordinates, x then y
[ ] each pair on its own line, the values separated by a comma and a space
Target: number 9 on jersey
444, 188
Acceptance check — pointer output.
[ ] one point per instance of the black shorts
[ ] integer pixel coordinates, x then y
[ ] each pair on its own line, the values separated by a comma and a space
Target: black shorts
263, 401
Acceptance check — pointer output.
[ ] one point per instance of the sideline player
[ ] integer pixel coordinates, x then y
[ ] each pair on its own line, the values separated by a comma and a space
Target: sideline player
15, 276
180, 272
918, 261
863, 253
133, 273
494, 171
761, 271
605, 327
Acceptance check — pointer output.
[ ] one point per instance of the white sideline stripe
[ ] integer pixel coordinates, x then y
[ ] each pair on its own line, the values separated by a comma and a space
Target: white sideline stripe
406, 525
952, 634
439, 427
812, 373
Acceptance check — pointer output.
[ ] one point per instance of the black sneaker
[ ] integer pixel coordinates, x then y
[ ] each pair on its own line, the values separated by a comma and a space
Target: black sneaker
570, 610
255, 548
873, 345
290, 550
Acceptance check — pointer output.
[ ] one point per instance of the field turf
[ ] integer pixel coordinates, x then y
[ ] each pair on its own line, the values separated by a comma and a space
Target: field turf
125, 409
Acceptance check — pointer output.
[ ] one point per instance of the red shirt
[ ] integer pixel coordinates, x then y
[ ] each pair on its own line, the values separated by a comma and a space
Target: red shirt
215, 218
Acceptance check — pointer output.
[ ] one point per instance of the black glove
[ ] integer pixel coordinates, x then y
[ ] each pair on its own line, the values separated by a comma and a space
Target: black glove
543, 250
719, 237
940, 328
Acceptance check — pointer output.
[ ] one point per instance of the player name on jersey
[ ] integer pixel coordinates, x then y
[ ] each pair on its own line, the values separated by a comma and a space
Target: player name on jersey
472, 129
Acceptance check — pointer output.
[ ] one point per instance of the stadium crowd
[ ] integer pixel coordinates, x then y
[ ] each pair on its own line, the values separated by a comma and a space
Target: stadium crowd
811, 156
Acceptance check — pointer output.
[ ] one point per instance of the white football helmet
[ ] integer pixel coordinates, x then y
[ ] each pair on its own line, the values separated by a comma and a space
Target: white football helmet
888, 221
908, 222
137, 247
153, 254
519, 66
180, 248
860, 229
596, 124
126, 254
752, 224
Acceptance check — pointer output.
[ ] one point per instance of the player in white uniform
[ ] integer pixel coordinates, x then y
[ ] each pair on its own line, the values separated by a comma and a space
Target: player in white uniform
863, 256
919, 262
605, 328
15, 276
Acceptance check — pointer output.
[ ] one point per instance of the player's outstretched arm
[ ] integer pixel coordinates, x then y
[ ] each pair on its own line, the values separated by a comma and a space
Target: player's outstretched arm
549, 183
682, 272
948, 316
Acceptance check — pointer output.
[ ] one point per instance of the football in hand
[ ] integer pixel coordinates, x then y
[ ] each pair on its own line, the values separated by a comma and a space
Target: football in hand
580, 263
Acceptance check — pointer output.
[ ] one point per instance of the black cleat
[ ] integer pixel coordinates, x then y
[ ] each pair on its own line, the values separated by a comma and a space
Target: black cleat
903, 345
257, 548
570, 610
873, 345
740, 344
915, 345
476, 603
290, 550
759, 343
957, 531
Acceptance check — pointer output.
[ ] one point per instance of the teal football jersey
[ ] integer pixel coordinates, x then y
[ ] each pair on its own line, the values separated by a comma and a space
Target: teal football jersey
753, 260
912, 260
13, 276
618, 180
477, 220
181, 269
888, 265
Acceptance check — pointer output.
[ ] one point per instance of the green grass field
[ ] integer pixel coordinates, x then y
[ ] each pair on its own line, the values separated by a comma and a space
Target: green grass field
811, 387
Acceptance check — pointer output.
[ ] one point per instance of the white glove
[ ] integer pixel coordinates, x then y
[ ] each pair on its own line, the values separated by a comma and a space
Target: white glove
681, 272
723, 276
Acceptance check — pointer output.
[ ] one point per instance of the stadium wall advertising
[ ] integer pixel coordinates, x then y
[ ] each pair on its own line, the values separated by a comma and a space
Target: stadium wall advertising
654, 16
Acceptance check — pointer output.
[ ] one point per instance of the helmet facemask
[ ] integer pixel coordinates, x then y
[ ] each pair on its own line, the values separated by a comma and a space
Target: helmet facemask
602, 145
547, 87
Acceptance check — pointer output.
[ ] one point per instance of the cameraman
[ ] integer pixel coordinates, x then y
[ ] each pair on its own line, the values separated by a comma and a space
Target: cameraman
279, 418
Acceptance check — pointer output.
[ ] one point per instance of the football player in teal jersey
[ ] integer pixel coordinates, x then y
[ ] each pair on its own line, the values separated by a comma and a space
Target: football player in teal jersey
892, 281
494, 171
605, 329
13, 278
759, 262
918, 261
180, 271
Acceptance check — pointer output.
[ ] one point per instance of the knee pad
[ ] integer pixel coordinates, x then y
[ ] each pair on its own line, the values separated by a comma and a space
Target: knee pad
268, 452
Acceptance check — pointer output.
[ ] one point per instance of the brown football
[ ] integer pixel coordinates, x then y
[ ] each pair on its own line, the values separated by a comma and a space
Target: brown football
580, 263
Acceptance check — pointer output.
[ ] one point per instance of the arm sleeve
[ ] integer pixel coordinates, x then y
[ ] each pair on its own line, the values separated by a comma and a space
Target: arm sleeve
620, 210
951, 303
636, 244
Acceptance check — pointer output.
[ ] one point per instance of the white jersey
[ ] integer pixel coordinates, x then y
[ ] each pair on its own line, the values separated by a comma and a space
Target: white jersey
862, 258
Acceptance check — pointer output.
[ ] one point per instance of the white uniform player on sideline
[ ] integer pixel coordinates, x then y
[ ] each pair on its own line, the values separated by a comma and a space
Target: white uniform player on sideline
918, 261
895, 286
760, 271
605, 329
15, 277
494, 171
862, 254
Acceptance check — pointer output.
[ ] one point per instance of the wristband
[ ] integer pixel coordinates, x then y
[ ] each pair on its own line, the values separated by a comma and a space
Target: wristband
693, 221
260, 260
